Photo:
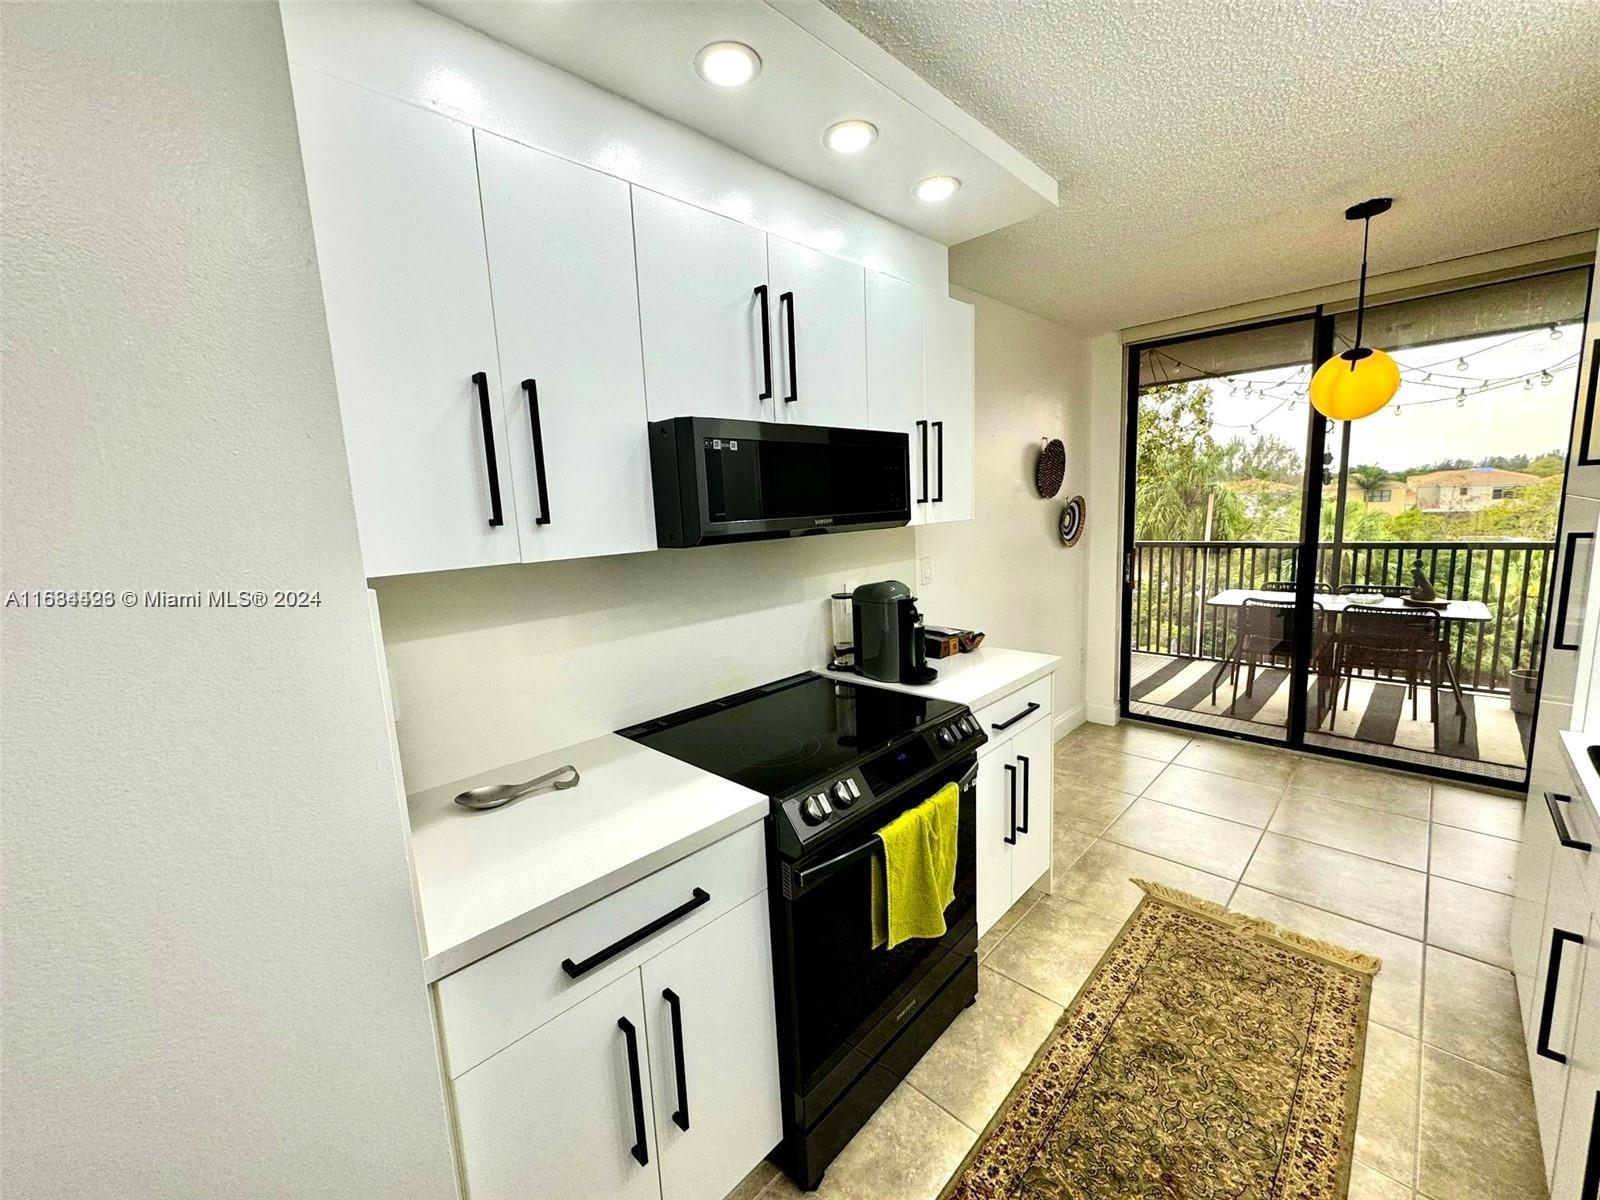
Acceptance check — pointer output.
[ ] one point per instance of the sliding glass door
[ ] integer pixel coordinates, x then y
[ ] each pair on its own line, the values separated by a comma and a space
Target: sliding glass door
1270, 553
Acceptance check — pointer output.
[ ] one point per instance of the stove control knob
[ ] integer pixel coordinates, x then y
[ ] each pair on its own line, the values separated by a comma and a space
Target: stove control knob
946, 738
855, 791
812, 810
841, 795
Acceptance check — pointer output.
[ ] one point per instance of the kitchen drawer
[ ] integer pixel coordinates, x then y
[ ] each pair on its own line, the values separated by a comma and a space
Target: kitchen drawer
1010, 707
488, 1005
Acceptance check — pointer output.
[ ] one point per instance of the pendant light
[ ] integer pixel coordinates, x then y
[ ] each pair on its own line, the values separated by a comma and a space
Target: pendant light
1360, 381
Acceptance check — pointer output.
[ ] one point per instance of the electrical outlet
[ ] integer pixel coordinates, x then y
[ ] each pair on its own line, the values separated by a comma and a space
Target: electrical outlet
927, 569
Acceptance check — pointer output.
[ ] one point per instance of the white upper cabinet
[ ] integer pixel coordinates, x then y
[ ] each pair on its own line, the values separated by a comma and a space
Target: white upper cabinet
560, 242
394, 207
820, 351
896, 371
705, 351
951, 389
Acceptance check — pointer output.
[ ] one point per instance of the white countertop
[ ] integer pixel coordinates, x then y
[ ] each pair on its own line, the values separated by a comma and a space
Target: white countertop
486, 878
1576, 743
974, 679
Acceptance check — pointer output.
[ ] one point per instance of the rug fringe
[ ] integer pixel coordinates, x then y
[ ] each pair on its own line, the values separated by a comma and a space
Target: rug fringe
1329, 952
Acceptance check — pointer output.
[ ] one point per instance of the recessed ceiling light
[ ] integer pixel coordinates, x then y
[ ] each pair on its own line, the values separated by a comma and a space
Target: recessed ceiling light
850, 137
727, 64
939, 187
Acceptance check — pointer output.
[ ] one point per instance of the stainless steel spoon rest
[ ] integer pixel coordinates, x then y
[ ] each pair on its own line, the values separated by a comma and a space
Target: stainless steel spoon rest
495, 795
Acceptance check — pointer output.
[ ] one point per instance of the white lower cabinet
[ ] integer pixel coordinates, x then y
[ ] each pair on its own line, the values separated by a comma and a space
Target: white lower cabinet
1555, 1001
662, 1084
1016, 793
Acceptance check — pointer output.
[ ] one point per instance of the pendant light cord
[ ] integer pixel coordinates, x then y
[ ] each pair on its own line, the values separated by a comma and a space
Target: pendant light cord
1361, 295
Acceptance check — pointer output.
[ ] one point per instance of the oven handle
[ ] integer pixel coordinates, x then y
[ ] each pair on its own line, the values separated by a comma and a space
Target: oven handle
810, 875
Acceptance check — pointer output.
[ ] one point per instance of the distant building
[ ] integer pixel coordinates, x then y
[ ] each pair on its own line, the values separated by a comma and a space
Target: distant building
1391, 496
1470, 490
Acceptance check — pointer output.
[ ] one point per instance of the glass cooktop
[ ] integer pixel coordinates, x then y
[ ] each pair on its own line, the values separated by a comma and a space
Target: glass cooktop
775, 738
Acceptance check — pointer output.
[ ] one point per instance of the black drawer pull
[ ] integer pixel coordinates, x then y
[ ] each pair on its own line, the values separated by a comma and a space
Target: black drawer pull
681, 1117
922, 432
1563, 834
578, 969
1023, 759
1011, 838
639, 1149
1032, 708
1591, 1162
480, 380
938, 428
766, 345
787, 298
1552, 976
532, 388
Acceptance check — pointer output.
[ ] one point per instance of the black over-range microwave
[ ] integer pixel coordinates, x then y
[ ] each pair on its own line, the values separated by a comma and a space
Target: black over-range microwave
728, 481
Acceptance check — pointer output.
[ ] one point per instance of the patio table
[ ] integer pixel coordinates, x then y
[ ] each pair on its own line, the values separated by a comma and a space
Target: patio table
1454, 610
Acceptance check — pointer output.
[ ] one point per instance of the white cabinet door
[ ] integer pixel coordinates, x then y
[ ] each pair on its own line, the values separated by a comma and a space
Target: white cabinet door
566, 312
1580, 1121
821, 331
951, 391
895, 373
714, 1053
1031, 750
1528, 936
999, 800
700, 315
554, 1113
1566, 933
394, 207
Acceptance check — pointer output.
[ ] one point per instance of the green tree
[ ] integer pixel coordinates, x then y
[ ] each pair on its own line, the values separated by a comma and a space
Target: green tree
1178, 467
1368, 478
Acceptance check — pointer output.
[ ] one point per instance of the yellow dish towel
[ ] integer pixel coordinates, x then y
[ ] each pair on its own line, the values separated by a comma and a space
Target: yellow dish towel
919, 852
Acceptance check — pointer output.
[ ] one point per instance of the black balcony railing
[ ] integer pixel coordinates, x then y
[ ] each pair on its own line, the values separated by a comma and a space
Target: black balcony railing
1173, 580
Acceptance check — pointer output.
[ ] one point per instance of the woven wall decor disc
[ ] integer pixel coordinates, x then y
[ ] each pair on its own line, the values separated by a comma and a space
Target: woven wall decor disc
1052, 468
1072, 519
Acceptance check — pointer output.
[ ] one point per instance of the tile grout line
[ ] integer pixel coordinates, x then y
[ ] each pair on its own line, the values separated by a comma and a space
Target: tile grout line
1422, 1000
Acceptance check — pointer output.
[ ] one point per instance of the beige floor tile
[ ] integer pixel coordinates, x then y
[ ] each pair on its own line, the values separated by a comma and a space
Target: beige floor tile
1102, 880
1086, 809
1390, 791
1353, 827
1127, 737
1007, 922
1238, 760
1479, 1137
1386, 1122
1108, 770
754, 1183
1053, 949
1470, 1009
1207, 843
1475, 858
1482, 812
907, 1151
1369, 1184
1068, 845
1470, 921
1396, 989
1376, 893
1217, 795
976, 1062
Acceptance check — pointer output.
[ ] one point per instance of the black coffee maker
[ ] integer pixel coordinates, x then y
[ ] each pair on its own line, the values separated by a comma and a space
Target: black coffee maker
889, 635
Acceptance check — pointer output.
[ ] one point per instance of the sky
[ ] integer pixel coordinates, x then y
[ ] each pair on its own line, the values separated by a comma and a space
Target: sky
1409, 431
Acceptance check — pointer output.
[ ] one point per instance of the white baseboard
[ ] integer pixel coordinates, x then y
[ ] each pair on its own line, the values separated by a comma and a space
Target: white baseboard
1103, 714
1068, 721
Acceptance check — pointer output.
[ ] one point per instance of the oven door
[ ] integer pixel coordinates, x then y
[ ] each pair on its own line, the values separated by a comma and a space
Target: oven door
845, 999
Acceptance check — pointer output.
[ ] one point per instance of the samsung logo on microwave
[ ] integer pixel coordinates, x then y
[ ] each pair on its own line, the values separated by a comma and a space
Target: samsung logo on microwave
823, 521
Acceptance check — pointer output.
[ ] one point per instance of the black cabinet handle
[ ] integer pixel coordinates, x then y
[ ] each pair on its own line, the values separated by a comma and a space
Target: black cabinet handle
532, 388
938, 429
922, 432
787, 298
1011, 838
576, 969
480, 380
766, 345
1558, 939
639, 1150
1563, 835
1023, 759
681, 1117
1591, 1162
1032, 708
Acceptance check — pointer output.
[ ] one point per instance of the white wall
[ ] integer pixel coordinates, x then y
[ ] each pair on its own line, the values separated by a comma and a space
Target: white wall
1108, 406
212, 969
1006, 572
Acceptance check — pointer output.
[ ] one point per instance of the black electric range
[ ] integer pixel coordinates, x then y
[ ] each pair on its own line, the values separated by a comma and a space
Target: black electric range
840, 759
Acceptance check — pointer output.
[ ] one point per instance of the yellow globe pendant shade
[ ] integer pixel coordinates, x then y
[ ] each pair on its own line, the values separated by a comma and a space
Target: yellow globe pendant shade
1354, 384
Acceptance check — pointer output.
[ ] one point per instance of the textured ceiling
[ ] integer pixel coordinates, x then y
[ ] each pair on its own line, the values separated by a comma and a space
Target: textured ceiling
1206, 149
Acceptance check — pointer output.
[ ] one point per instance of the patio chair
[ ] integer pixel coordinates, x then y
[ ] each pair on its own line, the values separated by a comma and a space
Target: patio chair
1266, 631
1400, 642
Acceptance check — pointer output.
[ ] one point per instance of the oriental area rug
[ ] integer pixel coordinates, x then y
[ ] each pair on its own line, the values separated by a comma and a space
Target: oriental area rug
1210, 1054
